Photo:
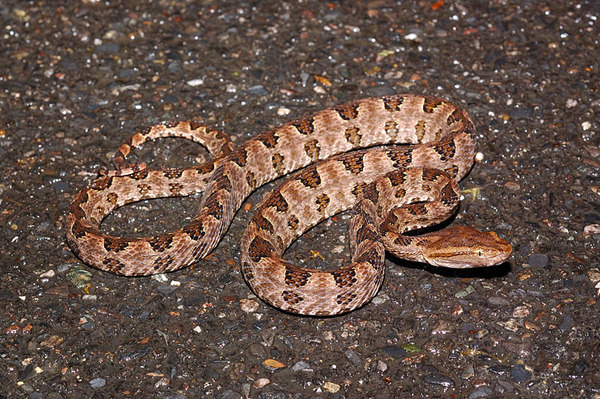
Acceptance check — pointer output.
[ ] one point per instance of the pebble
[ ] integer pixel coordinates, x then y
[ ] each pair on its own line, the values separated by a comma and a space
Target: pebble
258, 90
395, 351
97, 383
468, 373
499, 369
249, 305
481, 392
273, 364
166, 290
538, 260
382, 366
301, 366
567, 323
261, 382
498, 301
195, 82
353, 357
519, 373
438, 379
521, 113
108, 48
331, 387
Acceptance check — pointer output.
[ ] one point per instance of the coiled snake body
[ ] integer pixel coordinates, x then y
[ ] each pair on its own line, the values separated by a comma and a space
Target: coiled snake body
397, 188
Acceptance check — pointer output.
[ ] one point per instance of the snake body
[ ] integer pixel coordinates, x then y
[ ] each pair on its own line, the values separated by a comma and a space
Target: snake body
407, 148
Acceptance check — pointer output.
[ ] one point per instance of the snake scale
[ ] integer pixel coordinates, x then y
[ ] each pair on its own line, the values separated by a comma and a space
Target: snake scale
398, 158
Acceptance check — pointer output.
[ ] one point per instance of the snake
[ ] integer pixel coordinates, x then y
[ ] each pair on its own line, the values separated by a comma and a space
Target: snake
395, 161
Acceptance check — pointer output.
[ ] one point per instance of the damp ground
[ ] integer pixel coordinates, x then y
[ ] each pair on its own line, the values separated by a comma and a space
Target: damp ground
78, 78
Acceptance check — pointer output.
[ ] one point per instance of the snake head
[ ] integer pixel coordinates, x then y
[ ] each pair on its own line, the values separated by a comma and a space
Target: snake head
462, 247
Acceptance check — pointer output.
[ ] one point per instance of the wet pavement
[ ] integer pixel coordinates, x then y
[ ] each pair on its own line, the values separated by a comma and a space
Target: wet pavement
78, 78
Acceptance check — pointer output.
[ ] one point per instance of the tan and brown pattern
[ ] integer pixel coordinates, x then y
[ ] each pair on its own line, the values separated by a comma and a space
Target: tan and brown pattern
437, 147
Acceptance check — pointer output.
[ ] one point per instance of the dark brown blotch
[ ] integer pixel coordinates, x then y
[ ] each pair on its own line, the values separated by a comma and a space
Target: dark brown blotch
397, 177
391, 129
446, 149
251, 180
112, 265
322, 202
431, 175
455, 117
348, 111
115, 244
262, 223
276, 200
205, 168
310, 177
240, 157
175, 188
371, 193
393, 103
366, 233
403, 241
102, 183
358, 188
372, 257
353, 161
293, 222
139, 175
112, 198
78, 229
144, 189
195, 230
345, 299
161, 243
312, 149
448, 196
269, 139
430, 104
353, 136
260, 248
344, 277
173, 173
162, 264
296, 278
278, 162
400, 156
420, 130
291, 297
305, 126
417, 209
214, 206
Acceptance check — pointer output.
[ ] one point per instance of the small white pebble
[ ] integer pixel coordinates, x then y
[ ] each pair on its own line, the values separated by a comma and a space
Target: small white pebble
50, 273
586, 125
249, 305
331, 387
261, 382
479, 157
319, 90
176, 283
282, 111
197, 329
195, 82
571, 102
161, 278
411, 36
